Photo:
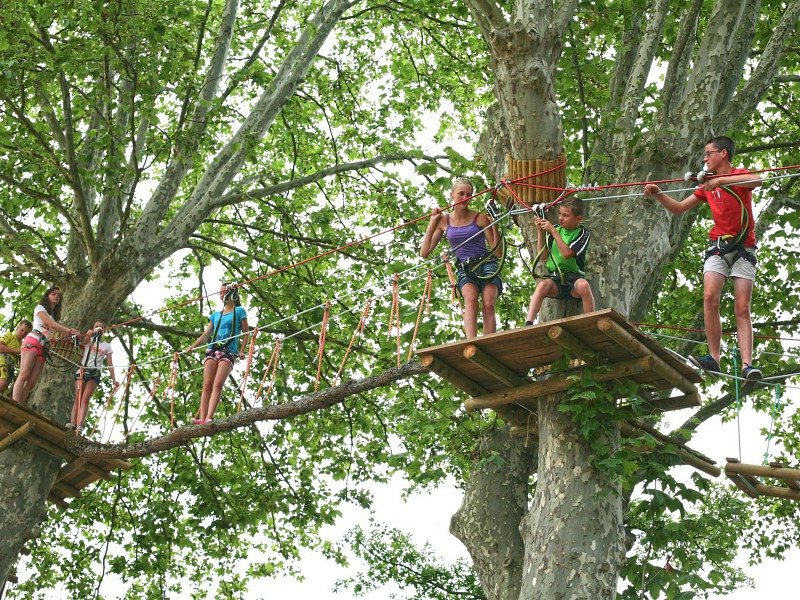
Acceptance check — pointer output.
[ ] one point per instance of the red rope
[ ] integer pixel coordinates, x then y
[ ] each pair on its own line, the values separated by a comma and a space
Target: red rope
323, 333
733, 333
128, 376
247, 368
273, 362
150, 396
359, 329
424, 303
455, 300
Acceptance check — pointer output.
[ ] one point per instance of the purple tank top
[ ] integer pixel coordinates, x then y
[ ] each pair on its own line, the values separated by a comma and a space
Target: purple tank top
458, 235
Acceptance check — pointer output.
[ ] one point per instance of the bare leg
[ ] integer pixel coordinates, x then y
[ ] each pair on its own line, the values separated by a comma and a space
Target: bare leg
742, 294
583, 290
30, 368
209, 373
224, 369
88, 390
712, 289
470, 294
546, 288
488, 307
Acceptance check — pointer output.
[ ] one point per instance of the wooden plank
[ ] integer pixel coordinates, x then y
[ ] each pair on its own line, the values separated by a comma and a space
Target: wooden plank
675, 403
16, 435
446, 372
742, 485
73, 467
492, 366
524, 394
572, 345
58, 501
63, 489
687, 455
637, 348
778, 492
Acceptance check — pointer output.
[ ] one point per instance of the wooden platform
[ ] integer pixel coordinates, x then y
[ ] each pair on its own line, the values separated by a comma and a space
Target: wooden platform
21, 423
503, 369
746, 479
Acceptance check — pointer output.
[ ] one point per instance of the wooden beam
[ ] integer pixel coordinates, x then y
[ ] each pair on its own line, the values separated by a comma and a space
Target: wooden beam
525, 393
687, 455
73, 467
617, 333
448, 373
675, 403
15, 435
493, 367
572, 345
734, 466
58, 501
62, 489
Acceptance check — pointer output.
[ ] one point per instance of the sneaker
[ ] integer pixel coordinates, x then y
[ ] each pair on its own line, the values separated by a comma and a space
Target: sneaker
751, 373
706, 363
198, 421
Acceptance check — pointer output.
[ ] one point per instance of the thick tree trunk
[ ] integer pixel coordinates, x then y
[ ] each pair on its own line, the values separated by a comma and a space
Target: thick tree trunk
495, 501
574, 535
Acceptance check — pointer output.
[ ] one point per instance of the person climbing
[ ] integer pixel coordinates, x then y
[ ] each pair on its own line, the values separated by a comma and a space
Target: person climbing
563, 250
468, 232
10, 345
223, 330
731, 248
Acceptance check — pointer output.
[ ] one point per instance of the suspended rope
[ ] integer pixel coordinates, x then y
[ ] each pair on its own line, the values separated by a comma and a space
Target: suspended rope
247, 368
323, 332
272, 364
359, 330
455, 299
424, 305
170, 389
775, 406
394, 314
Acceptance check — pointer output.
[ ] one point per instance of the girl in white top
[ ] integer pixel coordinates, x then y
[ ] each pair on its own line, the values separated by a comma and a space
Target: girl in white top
34, 347
87, 377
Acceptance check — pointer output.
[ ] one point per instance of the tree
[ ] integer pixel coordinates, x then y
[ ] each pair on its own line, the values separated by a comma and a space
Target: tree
132, 141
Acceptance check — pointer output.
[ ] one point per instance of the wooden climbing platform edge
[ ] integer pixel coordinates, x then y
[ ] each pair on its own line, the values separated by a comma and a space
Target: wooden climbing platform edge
745, 477
19, 423
505, 368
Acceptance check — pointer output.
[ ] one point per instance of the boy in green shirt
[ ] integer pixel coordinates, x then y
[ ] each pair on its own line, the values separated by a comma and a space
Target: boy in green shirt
564, 251
10, 344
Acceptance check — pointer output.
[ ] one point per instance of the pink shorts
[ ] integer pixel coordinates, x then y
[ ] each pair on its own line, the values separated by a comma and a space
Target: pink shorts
33, 343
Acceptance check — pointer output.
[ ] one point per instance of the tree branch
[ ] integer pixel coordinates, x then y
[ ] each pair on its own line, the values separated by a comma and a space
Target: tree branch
310, 403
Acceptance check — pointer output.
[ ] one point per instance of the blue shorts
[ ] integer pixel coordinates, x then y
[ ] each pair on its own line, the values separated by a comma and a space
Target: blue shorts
484, 270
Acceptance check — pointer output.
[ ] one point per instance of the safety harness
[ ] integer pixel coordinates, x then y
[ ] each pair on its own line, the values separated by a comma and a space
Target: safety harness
731, 247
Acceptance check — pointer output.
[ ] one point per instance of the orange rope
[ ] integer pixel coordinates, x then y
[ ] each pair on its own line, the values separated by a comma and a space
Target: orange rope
455, 300
151, 396
127, 380
273, 362
104, 412
359, 329
394, 314
323, 333
247, 368
424, 303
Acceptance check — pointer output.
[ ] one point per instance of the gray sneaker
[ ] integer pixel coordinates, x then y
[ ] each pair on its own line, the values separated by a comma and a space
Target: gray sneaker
706, 363
751, 373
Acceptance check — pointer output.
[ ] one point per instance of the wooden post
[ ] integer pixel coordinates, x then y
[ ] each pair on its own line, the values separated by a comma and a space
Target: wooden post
572, 345
492, 366
448, 373
553, 385
15, 435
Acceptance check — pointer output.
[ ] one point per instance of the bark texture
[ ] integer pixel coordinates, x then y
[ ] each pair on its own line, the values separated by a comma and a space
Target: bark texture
495, 501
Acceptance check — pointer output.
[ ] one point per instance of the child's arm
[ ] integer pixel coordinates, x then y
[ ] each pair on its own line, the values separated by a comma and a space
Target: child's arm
433, 234
744, 180
491, 233
676, 207
110, 364
245, 337
8, 349
203, 337
541, 249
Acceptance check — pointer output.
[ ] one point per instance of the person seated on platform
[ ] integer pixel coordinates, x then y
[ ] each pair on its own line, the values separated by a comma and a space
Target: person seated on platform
468, 232
10, 345
33, 353
563, 248
87, 377
223, 330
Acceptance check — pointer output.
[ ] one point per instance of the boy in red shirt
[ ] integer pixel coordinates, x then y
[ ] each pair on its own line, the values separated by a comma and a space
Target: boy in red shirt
732, 248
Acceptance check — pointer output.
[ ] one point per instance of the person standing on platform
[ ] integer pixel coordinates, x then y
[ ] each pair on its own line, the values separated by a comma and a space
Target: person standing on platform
468, 233
731, 248
10, 345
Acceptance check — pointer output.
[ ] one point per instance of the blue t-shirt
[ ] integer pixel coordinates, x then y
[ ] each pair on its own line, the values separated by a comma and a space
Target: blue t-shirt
230, 326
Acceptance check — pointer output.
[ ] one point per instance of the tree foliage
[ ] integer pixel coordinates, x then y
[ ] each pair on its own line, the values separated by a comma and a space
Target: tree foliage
169, 142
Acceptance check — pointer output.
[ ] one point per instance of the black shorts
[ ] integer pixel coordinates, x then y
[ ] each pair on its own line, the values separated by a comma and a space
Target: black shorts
566, 283
88, 375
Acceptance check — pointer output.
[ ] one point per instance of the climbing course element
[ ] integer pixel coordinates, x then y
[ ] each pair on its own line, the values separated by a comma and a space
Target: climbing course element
746, 479
20, 423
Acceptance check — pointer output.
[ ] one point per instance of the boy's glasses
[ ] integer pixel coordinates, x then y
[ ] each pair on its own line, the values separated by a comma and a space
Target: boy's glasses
710, 152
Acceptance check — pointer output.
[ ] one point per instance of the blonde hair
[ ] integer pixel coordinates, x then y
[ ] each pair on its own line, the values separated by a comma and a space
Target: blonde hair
462, 181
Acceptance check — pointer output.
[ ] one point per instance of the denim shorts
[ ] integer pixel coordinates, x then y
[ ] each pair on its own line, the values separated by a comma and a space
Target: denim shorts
483, 270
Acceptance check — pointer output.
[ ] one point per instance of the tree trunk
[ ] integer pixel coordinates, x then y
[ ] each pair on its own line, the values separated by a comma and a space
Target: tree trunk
574, 535
494, 503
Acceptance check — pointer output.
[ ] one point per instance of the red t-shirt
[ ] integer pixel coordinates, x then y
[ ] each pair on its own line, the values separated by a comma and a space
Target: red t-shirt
727, 212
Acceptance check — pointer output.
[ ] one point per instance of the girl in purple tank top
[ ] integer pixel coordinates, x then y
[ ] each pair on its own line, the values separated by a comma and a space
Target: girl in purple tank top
468, 233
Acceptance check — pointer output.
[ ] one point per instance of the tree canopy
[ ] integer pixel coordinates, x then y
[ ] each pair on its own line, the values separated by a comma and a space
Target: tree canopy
150, 142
